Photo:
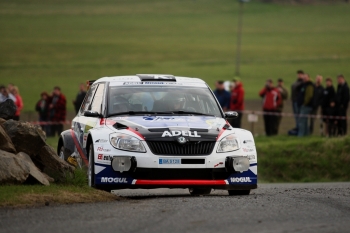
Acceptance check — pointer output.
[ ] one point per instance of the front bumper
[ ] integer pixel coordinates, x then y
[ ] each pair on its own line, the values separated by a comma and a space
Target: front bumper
150, 178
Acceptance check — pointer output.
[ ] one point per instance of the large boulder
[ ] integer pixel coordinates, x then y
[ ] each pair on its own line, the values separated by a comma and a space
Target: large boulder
30, 139
12, 169
54, 165
26, 137
5, 142
33, 170
17, 169
7, 109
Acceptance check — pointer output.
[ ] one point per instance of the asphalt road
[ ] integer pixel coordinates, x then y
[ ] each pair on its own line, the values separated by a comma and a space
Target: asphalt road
317, 207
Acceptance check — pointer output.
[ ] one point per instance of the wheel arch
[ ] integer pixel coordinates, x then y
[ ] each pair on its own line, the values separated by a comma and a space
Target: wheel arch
67, 141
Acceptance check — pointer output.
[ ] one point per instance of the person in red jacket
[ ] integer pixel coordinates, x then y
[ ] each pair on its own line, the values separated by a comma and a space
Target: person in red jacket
18, 102
272, 101
57, 111
237, 102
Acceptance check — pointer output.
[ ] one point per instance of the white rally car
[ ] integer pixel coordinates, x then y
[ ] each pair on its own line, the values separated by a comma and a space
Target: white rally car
159, 131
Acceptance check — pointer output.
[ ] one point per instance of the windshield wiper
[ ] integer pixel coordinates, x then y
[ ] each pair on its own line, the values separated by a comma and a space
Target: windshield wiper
137, 112
187, 112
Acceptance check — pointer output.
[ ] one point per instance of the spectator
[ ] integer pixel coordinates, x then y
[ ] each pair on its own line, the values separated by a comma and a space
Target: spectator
237, 102
80, 97
328, 108
10, 87
222, 95
271, 103
342, 101
42, 107
18, 102
57, 111
305, 104
284, 95
317, 101
5, 94
295, 93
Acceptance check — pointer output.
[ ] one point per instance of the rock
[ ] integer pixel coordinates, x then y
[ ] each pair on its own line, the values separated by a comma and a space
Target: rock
2, 120
54, 165
49, 178
12, 169
7, 109
26, 137
5, 142
30, 139
33, 170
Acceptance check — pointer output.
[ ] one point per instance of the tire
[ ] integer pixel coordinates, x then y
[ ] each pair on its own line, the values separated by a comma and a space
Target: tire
197, 192
238, 192
62, 154
91, 167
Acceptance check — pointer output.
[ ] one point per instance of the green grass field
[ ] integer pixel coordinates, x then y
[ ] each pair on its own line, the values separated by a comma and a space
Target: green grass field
44, 43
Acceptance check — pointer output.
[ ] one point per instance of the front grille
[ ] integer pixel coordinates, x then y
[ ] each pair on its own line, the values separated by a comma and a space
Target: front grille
174, 148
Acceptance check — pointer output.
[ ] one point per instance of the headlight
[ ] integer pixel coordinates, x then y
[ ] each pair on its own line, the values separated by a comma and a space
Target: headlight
227, 144
126, 142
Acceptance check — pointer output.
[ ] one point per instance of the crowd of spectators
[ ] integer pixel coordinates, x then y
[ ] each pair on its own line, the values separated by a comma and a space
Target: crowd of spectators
307, 98
12, 92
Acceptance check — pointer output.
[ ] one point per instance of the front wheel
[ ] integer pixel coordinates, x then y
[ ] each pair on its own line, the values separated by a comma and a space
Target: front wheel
197, 192
238, 192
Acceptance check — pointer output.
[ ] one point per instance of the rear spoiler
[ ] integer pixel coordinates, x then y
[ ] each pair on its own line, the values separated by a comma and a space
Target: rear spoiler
89, 83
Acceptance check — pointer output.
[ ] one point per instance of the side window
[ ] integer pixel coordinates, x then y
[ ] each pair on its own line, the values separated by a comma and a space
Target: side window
88, 98
98, 98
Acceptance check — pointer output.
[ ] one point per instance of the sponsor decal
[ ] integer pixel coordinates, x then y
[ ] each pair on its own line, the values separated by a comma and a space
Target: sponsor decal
240, 180
248, 141
175, 133
251, 157
100, 156
113, 180
216, 165
248, 150
132, 83
102, 149
101, 141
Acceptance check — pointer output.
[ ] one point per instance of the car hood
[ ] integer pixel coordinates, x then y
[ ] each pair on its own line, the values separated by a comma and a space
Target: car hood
193, 128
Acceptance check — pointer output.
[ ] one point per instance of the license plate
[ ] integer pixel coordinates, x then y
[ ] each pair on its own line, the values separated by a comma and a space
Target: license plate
169, 161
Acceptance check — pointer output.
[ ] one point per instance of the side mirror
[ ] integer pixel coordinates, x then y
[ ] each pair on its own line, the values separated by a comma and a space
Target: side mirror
91, 114
231, 115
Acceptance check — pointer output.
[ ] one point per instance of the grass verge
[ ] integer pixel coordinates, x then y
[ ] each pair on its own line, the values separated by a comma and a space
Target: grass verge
73, 190
314, 159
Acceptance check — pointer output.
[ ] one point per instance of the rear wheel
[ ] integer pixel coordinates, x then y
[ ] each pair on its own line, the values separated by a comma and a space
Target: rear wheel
91, 167
197, 192
238, 192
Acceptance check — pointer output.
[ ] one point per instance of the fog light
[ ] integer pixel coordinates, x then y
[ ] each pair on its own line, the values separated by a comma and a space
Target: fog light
123, 163
240, 164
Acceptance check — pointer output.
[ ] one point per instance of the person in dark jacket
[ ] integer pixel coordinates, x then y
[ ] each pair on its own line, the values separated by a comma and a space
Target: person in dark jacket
222, 95
271, 103
295, 93
305, 104
328, 108
317, 101
42, 107
80, 98
57, 111
342, 102
237, 102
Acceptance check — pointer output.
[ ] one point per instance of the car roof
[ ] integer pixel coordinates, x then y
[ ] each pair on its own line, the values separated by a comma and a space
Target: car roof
156, 78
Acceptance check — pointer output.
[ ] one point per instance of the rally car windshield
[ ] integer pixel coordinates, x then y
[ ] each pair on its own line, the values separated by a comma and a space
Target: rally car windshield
132, 100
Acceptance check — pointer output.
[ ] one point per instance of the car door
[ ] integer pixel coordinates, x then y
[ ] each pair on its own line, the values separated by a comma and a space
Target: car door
93, 105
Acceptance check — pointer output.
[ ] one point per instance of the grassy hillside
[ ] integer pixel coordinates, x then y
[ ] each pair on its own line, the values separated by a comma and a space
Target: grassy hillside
49, 42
